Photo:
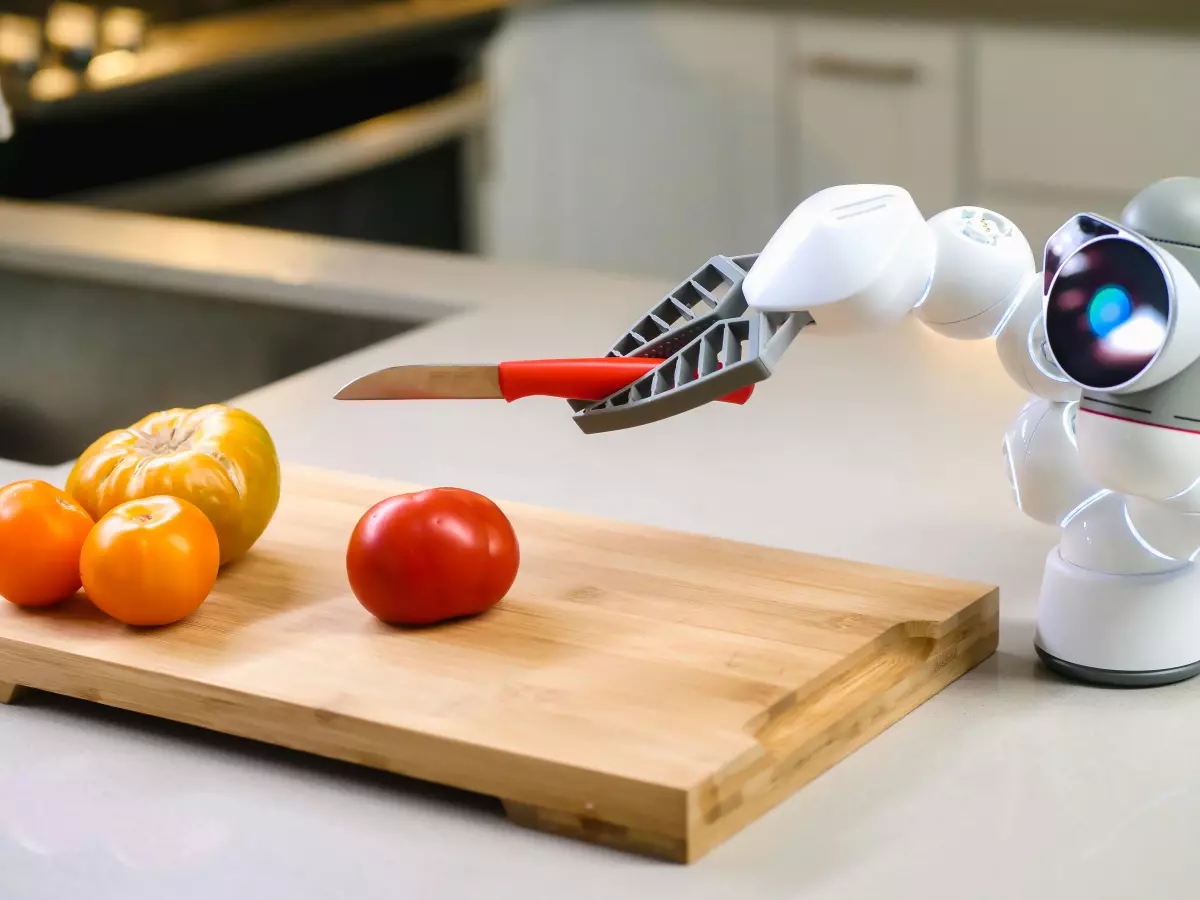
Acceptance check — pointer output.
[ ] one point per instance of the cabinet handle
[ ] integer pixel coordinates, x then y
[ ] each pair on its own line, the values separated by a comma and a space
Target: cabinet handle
846, 69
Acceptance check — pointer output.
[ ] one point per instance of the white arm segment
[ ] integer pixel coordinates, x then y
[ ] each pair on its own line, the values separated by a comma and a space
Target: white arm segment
1021, 346
1047, 482
861, 257
855, 257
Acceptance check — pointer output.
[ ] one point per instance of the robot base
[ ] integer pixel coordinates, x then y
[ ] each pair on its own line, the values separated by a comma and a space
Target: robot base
1119, 630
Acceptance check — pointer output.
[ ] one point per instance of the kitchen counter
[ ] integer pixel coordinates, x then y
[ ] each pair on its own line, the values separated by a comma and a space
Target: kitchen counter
884, 448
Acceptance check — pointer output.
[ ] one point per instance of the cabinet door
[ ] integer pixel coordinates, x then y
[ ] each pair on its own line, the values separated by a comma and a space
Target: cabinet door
634, 138
1096, 114
876, 102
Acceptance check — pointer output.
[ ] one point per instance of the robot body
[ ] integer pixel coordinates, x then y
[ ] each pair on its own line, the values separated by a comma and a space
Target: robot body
1107, 340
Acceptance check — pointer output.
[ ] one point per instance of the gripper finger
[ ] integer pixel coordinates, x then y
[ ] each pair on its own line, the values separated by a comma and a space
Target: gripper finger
710, 343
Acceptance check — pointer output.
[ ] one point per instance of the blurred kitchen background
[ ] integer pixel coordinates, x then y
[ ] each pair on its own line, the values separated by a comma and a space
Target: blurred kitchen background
628, 136
342, 118
623, 136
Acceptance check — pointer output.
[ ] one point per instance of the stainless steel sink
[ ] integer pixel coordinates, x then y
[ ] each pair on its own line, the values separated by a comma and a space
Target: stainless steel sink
79, 358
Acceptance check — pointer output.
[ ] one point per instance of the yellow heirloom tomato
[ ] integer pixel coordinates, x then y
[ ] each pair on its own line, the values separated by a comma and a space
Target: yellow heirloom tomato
218, 458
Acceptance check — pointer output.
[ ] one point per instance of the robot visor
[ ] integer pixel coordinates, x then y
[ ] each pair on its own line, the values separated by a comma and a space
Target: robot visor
1109, 312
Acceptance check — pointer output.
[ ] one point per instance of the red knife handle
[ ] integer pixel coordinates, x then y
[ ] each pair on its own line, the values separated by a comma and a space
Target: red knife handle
582, 379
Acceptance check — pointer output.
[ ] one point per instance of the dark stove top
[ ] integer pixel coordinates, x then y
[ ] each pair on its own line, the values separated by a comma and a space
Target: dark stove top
156, 10
57, 56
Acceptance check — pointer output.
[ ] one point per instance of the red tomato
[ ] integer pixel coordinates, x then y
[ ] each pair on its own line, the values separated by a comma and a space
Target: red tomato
434, 555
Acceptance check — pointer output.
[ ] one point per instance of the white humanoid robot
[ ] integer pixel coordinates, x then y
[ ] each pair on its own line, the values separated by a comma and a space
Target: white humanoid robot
1106, 339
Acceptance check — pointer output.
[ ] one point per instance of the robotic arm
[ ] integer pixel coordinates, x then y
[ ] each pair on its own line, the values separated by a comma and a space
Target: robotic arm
861, 257
967, 273
1106, 339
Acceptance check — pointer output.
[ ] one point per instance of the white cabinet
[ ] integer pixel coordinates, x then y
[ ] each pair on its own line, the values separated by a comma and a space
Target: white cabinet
1088, 114
644, 137
1070, 122
634, 138
876, 101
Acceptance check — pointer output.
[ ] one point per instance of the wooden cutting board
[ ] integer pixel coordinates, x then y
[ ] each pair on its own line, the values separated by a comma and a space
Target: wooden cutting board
644, 689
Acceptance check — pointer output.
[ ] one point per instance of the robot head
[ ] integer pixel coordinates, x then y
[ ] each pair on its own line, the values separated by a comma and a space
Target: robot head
1122, 312
1122, 320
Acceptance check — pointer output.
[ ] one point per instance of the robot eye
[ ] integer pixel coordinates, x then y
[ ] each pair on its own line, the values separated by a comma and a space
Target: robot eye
1109, 309
1108, 312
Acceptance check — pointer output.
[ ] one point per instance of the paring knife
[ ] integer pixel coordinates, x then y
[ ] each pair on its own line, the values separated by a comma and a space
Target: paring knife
569, 379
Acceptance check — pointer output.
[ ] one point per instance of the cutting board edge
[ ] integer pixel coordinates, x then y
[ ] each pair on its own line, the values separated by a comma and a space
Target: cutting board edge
650, 808
877, 688
684, 834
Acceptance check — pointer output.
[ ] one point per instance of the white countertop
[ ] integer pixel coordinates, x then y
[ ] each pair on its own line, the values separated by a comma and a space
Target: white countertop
1008, 784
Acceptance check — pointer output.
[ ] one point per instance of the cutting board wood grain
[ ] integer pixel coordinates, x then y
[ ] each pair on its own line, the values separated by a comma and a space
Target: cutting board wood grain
648, 690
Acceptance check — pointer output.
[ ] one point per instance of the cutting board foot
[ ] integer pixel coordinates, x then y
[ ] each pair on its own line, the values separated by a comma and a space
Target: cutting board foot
9, 692
597, 831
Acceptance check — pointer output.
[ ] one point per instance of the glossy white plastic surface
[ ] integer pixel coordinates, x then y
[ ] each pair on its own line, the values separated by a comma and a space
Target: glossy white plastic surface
856, 257
1167, 530
1132, 623
1043, 465
1183, 502
1020, 345
1133, 458
982, 264
1099, 536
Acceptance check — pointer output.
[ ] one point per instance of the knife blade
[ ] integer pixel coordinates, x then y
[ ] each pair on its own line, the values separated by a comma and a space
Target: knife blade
568, 379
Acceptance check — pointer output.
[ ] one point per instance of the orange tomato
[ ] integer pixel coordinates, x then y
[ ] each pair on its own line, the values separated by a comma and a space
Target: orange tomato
219, 459
41, 533
151, 561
